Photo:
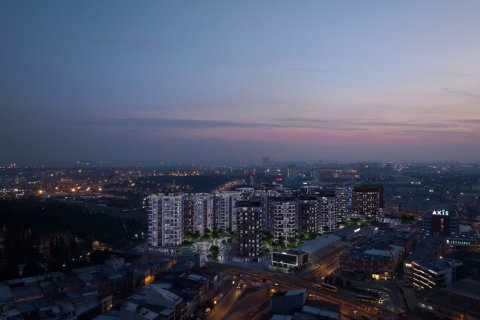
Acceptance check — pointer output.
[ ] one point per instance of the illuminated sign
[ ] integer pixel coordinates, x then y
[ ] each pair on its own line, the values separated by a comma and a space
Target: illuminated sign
442, 212
459, 242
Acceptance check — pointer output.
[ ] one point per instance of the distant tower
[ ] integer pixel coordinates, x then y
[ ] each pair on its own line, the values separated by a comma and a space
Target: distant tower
291, 171
265, 161
253, 178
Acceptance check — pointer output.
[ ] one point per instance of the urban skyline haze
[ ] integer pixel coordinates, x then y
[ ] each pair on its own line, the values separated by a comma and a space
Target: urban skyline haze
213, 80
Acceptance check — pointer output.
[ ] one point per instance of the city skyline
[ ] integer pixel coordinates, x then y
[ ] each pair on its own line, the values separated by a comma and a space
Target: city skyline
214, 81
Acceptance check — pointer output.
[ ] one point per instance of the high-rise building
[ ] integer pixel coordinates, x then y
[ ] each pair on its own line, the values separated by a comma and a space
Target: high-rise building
203, 212
283, 220
249, 228
165, 220
343, 198
188, 213
368, 201
291, 171
328, 213
308, 214
225, 218
246, 193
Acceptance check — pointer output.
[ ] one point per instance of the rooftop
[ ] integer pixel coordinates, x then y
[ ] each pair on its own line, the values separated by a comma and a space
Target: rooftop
436, 265
452, 300
316, 244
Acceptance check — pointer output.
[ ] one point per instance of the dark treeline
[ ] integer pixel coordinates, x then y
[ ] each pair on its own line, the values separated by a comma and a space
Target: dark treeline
38, 236
47, 218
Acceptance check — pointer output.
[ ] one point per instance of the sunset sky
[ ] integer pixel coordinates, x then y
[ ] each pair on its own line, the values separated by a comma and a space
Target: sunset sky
194, 81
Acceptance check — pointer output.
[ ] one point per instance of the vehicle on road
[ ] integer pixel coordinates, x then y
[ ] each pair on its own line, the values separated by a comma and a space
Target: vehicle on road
369, 299
218, 298
328, 287
241, 284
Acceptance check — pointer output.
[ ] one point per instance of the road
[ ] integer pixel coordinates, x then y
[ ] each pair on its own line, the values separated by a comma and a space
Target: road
349, 307
324, 266
248, 305
230, 299
329, 262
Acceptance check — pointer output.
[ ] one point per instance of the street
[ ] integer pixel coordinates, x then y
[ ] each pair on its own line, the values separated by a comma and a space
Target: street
349, 307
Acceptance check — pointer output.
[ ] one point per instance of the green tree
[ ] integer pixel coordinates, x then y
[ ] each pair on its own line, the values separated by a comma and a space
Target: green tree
214, 250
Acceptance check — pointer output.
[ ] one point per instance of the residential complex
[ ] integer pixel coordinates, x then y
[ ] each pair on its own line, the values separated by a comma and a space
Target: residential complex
165, 220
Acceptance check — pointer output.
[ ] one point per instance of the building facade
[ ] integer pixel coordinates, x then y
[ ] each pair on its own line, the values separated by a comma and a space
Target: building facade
249, 228
283, 215
440, 223
203, 212
308, 215
433, 273
225, 218
328, 213
165, 220
367, 201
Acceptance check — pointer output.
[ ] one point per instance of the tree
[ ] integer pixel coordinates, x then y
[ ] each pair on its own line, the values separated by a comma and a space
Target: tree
267, 236
221, 233
279, 243
207, 235
311, 235
187, 243
214, 250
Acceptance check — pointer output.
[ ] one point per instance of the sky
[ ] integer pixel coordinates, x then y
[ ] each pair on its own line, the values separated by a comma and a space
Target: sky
210, 81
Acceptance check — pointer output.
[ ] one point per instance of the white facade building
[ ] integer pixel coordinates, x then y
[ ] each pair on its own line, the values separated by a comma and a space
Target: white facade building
328, 214
343, 200
165, 220
203, 212
284, 218
225, 213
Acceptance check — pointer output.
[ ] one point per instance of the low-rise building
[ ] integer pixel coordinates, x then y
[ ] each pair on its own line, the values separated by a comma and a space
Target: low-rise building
288, 260
377, 262
439, 303
293, 305
430, 248
434, 273
153, 302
